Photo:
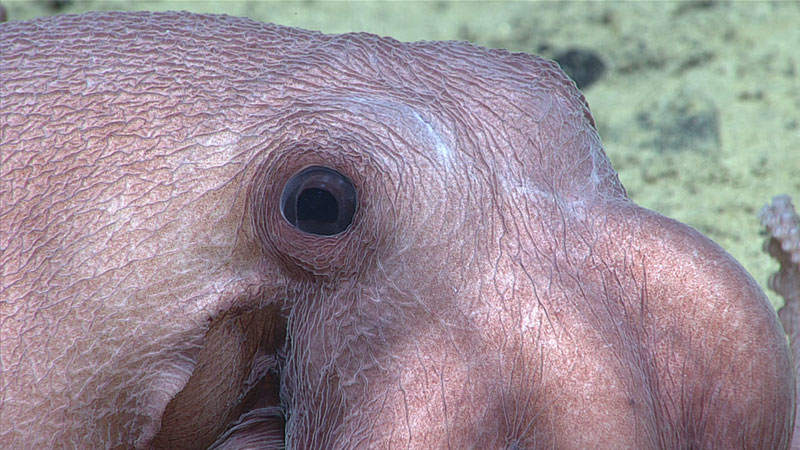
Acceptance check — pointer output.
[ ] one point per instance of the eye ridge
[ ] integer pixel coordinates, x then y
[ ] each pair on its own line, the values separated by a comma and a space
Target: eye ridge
319, 200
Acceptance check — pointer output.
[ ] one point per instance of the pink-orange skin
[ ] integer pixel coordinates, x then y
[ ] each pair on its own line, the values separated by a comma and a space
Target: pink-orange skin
497, 288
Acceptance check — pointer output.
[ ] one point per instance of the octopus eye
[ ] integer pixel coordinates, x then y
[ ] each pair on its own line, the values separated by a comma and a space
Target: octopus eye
318, 200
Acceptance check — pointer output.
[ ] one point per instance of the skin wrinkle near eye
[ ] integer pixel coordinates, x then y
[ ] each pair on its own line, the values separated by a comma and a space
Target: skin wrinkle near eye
390, 113
406, 295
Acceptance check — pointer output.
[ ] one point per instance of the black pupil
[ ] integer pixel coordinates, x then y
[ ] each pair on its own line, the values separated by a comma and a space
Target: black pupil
319, 200
318, 205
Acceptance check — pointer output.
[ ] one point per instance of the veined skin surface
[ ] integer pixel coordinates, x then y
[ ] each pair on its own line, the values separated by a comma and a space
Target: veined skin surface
497, 288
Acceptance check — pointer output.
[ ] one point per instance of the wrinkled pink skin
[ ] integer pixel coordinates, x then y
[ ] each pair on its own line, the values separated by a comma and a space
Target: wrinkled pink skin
497, 288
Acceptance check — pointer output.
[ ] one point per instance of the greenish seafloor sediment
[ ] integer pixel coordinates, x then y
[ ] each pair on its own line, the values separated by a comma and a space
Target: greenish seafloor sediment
699, 107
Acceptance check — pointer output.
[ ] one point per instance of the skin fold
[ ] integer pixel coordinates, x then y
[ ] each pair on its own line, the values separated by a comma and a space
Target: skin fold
496, 288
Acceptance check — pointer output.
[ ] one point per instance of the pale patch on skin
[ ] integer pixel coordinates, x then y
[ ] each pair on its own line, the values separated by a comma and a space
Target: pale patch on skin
444, 151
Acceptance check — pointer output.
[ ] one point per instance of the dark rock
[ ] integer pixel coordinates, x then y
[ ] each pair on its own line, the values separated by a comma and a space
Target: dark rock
682, 123
582, 65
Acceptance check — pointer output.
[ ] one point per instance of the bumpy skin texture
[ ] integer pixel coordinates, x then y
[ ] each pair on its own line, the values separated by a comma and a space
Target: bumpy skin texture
497, 288
783, 226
